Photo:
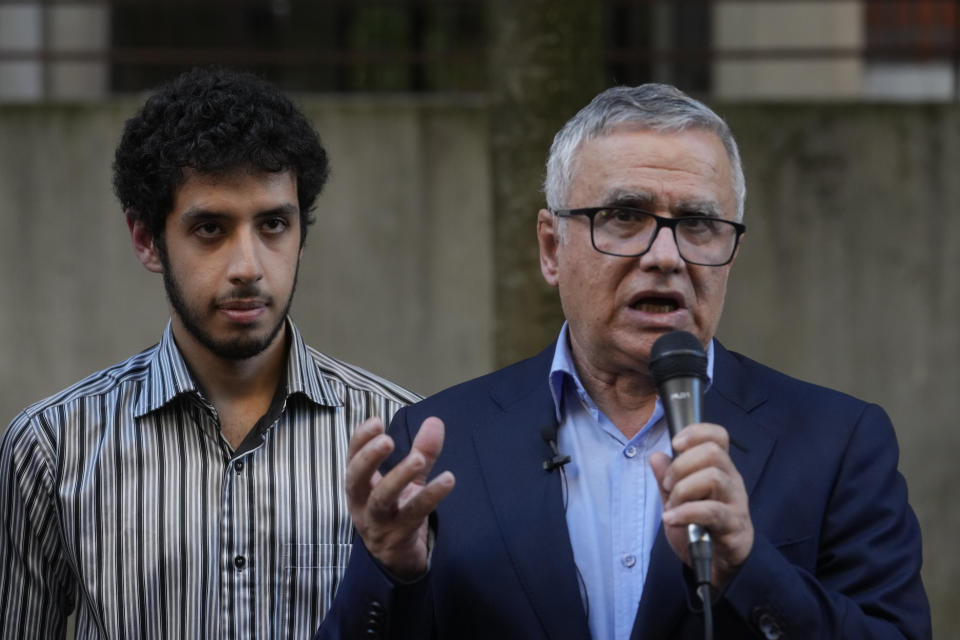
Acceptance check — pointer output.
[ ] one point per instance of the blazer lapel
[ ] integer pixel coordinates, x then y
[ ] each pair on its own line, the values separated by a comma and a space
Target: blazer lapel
528, 503
728, 403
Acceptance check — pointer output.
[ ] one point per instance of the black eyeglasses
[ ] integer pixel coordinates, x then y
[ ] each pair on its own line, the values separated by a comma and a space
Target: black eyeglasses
627, 232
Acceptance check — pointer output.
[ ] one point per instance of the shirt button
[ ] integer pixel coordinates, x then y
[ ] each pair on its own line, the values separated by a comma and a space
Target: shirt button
629, 560
238, 466
631, 451
767, 623
239, 562
769, 627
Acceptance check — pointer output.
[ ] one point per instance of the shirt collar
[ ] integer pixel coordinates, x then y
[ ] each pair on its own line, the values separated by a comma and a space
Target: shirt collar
169, 377
562, 368
303, 374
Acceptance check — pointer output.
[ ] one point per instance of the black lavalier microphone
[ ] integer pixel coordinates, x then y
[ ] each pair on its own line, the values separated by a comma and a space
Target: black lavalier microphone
678, 366
549, 434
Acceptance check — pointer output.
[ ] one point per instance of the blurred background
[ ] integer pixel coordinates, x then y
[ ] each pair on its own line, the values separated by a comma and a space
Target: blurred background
438, 114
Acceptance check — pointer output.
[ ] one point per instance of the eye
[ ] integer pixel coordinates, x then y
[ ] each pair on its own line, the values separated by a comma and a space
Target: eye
706, 227
208, 230
622, 216
275, 225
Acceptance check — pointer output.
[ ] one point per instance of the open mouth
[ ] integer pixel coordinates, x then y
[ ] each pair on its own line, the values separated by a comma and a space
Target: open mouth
655, 305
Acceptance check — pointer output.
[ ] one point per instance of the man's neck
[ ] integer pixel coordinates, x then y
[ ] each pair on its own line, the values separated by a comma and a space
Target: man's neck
626, 397
240, 390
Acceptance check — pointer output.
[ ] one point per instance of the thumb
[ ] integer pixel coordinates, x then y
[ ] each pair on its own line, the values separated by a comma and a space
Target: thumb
659, 462
428, 443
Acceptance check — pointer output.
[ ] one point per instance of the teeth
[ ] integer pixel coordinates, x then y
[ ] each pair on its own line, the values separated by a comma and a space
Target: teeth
653, 307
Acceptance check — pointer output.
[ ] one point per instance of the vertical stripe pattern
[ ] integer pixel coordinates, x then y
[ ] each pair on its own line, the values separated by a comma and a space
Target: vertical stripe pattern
120, 498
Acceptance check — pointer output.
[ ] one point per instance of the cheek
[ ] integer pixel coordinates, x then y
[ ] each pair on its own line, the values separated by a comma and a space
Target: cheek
711, 289
196, 280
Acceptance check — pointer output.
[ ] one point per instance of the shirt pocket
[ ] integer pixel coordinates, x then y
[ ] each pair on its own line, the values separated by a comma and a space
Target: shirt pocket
311, 574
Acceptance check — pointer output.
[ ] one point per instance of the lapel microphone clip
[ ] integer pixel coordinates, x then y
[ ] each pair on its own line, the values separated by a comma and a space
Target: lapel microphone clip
549, 434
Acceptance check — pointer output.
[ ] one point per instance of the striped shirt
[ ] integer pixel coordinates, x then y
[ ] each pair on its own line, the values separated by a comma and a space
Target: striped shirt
120, 498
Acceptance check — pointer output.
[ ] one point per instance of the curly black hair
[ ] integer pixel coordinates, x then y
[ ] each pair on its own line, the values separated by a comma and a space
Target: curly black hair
214, 121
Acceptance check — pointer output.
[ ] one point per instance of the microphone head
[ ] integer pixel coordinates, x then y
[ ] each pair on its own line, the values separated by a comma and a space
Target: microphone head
677, 354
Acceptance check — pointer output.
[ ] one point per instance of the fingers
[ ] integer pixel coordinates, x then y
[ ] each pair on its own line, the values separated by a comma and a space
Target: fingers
701, 485
385, 498
428, 443
659, 463
696, 447
390, 510
698, 474
367, 431
419, 504
369, 447
699, 433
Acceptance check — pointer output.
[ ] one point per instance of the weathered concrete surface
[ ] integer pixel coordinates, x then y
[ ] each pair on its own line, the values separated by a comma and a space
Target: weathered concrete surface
849, 276
540, 81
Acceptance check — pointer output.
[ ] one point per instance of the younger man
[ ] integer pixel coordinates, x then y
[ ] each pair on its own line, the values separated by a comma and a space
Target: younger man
195, 490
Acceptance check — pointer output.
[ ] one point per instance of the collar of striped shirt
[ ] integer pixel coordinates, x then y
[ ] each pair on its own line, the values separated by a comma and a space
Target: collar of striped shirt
122, 501
169, 377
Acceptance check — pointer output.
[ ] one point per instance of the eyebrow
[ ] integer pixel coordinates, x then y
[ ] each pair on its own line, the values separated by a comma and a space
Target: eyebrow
195, 214
648, 202
700, 208
636, 199
282, 210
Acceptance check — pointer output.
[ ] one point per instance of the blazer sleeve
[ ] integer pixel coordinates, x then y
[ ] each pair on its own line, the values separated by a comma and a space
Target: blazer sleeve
867, 580
369, 602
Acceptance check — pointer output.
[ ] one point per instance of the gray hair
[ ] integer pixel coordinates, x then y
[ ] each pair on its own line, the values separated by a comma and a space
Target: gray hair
657, 107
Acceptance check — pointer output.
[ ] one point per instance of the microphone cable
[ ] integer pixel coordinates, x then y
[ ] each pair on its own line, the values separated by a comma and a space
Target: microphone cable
549, 434
701, 556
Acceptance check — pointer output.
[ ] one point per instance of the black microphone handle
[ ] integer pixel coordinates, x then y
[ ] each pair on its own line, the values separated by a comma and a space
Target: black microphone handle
682, 398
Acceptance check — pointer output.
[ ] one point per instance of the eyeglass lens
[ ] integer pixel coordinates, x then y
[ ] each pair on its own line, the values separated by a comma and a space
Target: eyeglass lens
631, 232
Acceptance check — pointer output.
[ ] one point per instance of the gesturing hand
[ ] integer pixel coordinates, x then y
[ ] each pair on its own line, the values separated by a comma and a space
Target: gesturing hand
390, 511
702, 486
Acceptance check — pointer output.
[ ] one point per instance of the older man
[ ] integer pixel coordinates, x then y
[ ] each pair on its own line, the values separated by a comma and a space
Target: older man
798, 485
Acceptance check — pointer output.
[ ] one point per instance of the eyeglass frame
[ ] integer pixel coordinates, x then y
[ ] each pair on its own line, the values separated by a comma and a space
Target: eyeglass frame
661, 222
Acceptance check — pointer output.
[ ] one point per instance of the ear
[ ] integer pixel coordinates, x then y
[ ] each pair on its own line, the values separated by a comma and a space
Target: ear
143, 244
737, 252
548, 238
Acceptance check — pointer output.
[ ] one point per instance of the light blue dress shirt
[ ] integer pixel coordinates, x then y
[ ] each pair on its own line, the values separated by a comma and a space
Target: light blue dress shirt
613, 503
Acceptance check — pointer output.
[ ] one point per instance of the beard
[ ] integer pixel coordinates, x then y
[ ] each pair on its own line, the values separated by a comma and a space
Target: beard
239, 348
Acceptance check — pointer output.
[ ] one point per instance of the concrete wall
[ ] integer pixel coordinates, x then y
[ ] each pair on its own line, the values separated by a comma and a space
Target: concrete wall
850, 274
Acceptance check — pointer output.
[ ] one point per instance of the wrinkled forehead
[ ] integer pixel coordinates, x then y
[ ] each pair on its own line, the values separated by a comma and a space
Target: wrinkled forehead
638, 166
704, 130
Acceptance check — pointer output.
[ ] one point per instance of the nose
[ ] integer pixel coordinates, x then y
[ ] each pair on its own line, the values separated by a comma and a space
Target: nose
245, 265
663, 253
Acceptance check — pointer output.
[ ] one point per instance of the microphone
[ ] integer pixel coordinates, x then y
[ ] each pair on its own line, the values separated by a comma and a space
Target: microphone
678, 366
549, 434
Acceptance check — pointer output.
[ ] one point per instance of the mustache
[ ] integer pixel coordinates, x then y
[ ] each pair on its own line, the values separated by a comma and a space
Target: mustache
250, 292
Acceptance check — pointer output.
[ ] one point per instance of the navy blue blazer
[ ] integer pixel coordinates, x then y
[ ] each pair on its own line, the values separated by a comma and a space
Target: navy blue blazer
837, 549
